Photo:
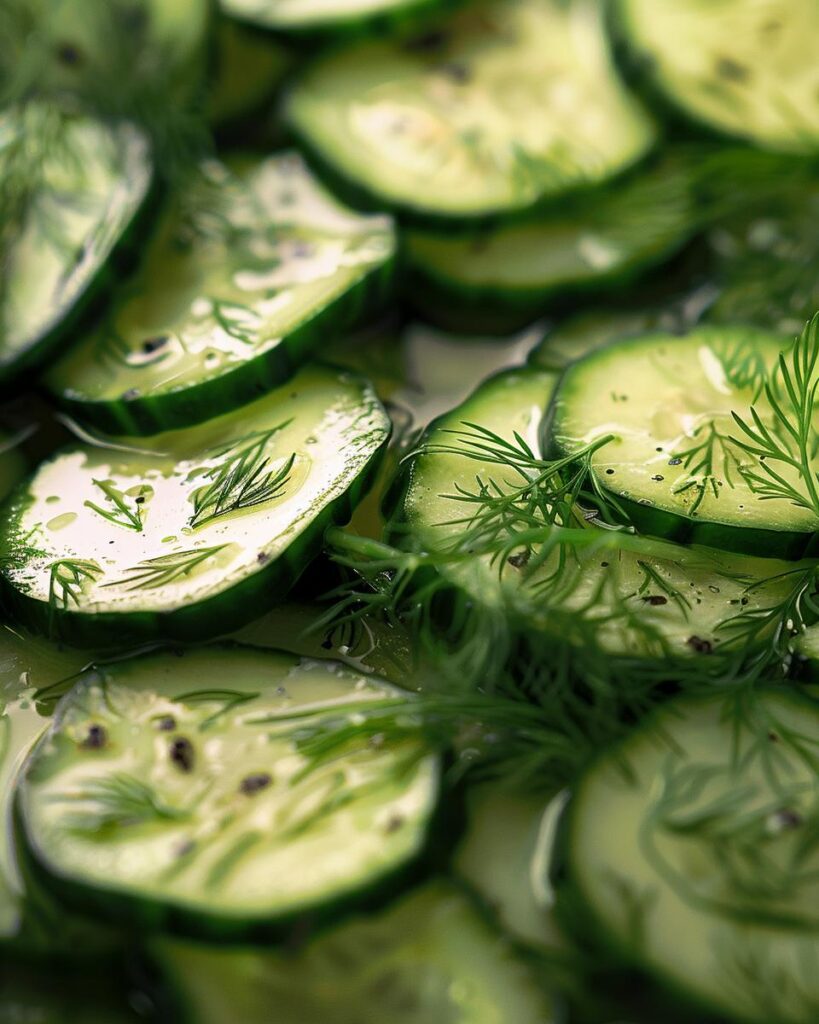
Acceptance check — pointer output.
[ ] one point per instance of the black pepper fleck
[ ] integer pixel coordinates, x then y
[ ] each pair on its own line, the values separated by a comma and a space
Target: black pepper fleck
251, 784
181, 754
699, 645
95, 738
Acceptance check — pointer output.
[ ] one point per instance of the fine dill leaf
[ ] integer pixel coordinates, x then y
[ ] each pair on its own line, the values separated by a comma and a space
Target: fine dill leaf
230, 699
242, 479
709, 460
118, 800
66, 578
120, 512
152, 573
788, 441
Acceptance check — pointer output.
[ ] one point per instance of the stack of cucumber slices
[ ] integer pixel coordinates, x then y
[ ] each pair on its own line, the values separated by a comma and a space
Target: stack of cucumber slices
409, 512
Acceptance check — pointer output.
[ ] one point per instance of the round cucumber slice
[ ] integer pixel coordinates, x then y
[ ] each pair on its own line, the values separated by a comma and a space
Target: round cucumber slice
72, 210
197, 531
321, 15
505, 104
629, 595
707, 836
177, 791
249, 68
746, 69
242, 280
668, 401
515, 271
427, 959
581, 334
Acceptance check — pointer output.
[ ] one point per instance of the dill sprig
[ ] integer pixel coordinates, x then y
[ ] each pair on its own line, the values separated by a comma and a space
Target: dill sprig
66, 579
116, 801
242, 480
791, 440
152, 573
120, 512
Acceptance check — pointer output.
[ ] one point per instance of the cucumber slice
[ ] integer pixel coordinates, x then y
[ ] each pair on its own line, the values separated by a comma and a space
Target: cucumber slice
505, 104
323, 15
249, 69
668, 403
516, 271
428, 959
496, 859
586, 332
196, 531
700, 826
71, 212
629, 595
746, 69
161, 797
240, 283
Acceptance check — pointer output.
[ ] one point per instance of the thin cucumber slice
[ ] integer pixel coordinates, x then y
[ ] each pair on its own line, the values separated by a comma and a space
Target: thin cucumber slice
505, 104
701, 826
323, 15
496, 858
743, 68
518, 270
667, 403
241, 282
427, 959
629, 595
584, 333
69, 214
181, 792
195, 532
249, 69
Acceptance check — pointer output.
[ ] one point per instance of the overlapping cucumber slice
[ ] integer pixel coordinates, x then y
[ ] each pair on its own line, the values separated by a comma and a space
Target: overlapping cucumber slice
193, 533
246, 273
667, 403
183, 792
701, 825
516, 271
502, 105
746, 69
67, 211
628, 595
427, 959
323, 15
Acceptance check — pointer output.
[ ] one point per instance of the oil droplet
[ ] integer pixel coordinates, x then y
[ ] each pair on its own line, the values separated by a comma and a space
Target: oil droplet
170, 539
59, 522
311, 440
52, 499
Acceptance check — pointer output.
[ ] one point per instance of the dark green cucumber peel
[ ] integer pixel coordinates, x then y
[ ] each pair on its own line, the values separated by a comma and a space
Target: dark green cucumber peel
245, 835
427, 958
399, 122
669, 400
75, 256
195, 534
611, 895
269, 263
597, 244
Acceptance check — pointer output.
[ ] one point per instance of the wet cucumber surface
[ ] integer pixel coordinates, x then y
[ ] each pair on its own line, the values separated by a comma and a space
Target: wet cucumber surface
714, 792
77, 209
316, 15
668, 404
187, 535
245, 275
507, 103
174, 788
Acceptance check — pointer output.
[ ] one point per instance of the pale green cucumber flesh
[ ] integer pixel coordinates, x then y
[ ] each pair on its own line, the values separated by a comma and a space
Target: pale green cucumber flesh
516, 101
243, 262
87, 191
604, 237
178, 784
747, 69
668, 599
700, 826
148, 536
428, 959
667, 403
